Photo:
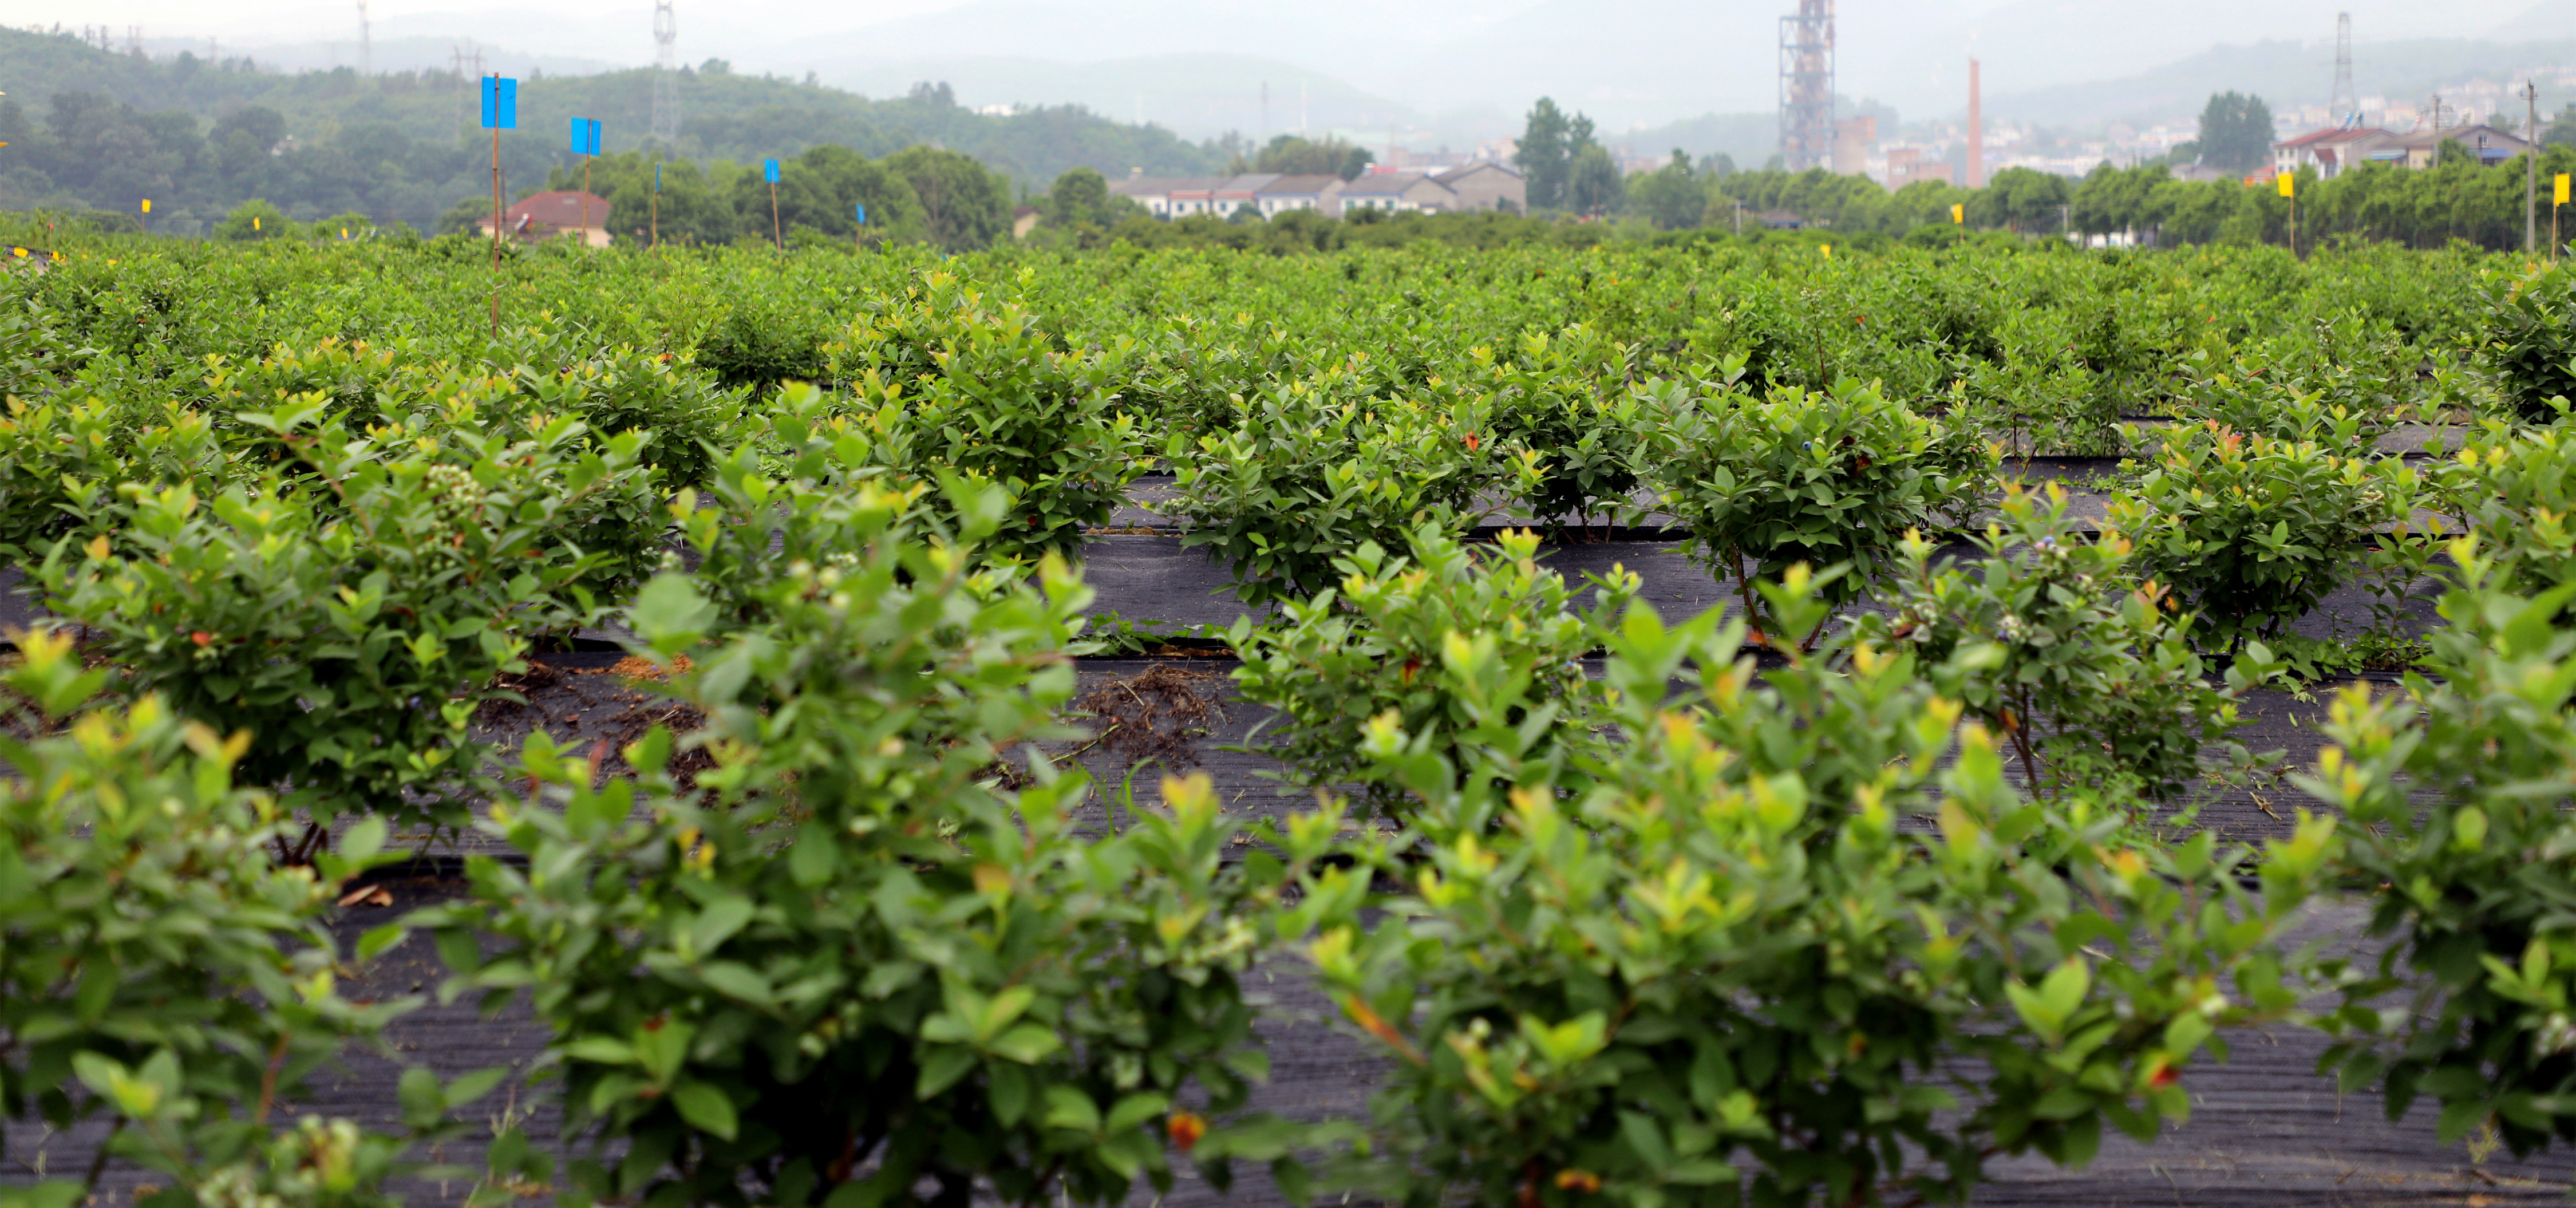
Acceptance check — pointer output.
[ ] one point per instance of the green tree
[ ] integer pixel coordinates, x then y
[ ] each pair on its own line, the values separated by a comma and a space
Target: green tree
2235, 132
352, 225
1545, 156
964, 206
1295, 155
1672, 196
2022, 199
849, 180
1081, 197
252, 220
2117, 199
264, 127
1596, 186
2561, 131
690, 209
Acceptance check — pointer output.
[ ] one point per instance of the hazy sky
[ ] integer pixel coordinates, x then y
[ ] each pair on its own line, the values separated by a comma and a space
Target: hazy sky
1631, 61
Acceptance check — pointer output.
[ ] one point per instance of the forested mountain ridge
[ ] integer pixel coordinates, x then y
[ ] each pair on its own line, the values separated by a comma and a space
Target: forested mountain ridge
92, 129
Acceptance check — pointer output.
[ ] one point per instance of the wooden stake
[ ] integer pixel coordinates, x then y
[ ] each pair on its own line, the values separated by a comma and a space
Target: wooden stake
496, 229
775, 235
585, 201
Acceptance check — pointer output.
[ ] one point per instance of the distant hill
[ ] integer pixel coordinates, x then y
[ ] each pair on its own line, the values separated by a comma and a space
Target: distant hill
387, 54
89, 128
1746, 138
2291, 74
1198, 95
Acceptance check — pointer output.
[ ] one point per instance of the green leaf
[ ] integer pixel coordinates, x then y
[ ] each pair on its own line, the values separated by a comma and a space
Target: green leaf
423, 1106
2458, 1119
60, 1193
1068, 1107
736, 980
1644, 1137
1136, 1109
670, 614
602, 1050
719, 921
362, 841
1026, 1044
705, 1107
942, 1068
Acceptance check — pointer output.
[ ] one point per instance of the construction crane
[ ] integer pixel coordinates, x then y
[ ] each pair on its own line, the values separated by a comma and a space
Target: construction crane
1807, 86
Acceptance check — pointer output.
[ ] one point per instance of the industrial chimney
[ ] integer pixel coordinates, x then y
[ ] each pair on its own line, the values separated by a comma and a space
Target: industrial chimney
1976, 132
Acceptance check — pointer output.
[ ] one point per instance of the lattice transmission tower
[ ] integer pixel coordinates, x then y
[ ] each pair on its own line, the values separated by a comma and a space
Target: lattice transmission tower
2345, 104
666, 73
366, 43
1807, 86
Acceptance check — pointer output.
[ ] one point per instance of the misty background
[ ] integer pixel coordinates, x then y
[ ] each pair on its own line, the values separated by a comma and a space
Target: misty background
1457, 72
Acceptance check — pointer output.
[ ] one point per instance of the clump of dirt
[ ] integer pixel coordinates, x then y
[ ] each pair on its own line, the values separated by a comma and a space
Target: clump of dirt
500, 712
625, 727
1156, 714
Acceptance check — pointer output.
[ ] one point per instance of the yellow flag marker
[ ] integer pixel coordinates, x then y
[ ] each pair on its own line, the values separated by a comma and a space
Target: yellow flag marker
147, 205
1829, 249
2283, 180
254, 222
2557, 198
1958, 213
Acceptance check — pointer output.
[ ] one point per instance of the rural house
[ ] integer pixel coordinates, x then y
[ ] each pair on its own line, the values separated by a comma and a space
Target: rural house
556, 214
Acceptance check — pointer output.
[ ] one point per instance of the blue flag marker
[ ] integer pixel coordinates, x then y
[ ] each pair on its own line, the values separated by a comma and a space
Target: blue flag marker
585, 136
657, 176
769, 170
863, 213
500, 103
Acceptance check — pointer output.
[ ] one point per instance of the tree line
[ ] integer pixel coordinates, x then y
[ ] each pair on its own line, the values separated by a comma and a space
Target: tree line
91, 130
2457, 198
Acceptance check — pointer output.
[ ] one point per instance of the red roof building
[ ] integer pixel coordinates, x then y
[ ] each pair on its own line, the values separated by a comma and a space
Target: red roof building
557, 214
2328, 151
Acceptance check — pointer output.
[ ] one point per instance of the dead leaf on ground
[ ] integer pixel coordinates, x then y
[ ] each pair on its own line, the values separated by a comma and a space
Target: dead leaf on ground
368, 895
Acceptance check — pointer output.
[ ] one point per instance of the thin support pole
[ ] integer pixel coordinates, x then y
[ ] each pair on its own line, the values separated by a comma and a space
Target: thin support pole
585, 201
2531, 167
775, 235
496, 229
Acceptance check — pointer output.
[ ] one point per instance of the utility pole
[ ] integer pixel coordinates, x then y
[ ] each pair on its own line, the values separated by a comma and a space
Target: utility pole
457, 55
2531, 168
666, 67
